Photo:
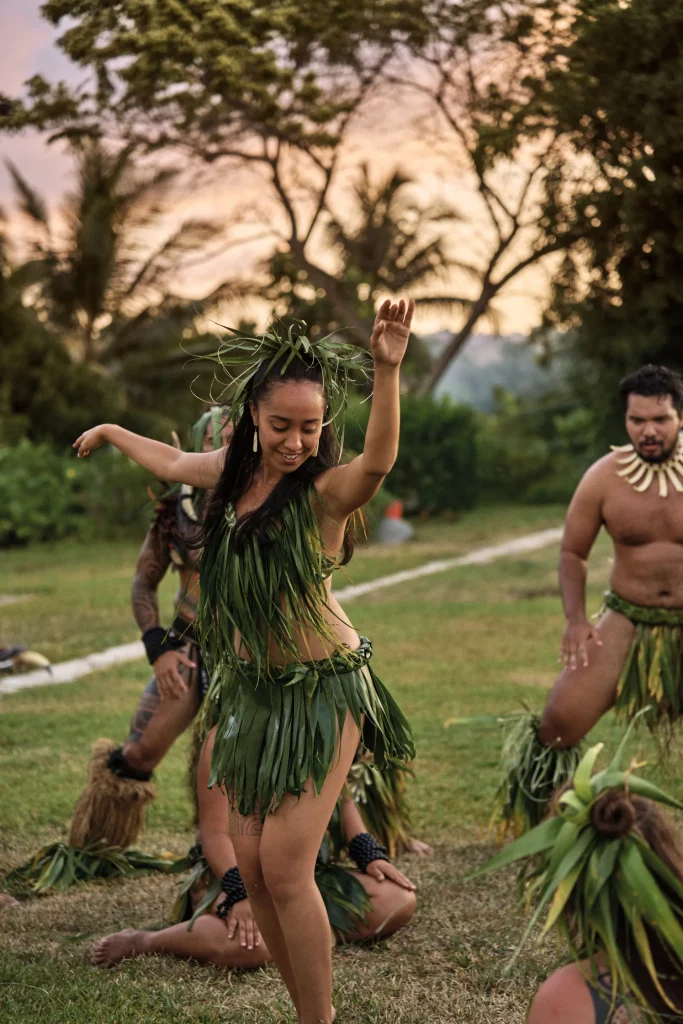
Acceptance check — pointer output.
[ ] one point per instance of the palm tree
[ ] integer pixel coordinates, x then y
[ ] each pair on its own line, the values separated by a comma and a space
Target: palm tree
386, 243
103, 283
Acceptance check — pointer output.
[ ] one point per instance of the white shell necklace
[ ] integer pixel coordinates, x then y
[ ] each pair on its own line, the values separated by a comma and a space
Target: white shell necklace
640, 474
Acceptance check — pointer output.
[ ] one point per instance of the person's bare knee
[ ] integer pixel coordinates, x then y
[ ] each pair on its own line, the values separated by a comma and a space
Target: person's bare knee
283, 882
392, 909
559, 726
404, 907
232, 955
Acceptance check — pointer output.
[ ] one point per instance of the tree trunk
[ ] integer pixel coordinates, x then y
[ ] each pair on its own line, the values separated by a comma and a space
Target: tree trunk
456, 343
344, 307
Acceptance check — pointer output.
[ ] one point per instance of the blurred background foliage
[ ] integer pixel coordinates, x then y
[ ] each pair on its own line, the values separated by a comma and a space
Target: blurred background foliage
581, 121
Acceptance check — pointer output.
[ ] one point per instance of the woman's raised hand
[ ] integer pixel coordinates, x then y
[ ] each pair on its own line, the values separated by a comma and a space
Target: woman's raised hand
90, 440
391, 332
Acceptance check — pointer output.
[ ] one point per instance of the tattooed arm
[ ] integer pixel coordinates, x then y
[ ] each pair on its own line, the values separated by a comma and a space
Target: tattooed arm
153, 561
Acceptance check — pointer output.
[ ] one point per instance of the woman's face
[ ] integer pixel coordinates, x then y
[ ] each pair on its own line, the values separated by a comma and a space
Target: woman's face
289, 419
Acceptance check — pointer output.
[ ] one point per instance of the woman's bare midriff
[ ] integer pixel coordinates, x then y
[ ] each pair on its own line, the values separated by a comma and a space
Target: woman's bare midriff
649, 574
309, 644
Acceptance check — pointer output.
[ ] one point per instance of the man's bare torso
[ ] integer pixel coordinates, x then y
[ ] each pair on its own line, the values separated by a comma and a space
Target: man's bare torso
647, 532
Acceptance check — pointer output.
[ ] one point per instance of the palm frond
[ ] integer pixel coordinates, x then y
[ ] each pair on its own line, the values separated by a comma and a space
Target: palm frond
31, 203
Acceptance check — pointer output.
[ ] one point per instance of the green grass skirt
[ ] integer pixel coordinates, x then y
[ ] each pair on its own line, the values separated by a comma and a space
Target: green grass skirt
276, 737
652, 672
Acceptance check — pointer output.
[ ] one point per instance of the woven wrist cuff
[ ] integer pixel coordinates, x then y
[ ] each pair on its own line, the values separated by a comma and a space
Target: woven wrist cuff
233, 887
157, 641
364, 848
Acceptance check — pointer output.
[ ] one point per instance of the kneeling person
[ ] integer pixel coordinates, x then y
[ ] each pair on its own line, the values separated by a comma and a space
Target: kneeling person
227, 935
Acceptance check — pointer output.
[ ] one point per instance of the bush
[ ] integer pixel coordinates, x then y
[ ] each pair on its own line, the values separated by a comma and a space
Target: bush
436, 468
45, 495
534, 452
37, 495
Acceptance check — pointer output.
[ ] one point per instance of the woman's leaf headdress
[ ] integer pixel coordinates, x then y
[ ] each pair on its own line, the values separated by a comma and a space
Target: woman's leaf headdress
585, 879
241, 357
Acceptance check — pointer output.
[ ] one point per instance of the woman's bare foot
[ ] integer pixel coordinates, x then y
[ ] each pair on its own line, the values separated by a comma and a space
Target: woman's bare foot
112, 948
7, 901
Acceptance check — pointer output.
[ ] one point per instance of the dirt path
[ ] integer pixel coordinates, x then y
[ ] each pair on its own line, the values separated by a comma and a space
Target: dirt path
68, 671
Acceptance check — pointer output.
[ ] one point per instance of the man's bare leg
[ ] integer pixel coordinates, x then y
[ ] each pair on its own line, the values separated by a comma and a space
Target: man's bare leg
582, 695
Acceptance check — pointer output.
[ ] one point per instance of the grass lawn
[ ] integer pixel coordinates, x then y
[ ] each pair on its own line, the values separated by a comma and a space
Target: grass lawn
467, 641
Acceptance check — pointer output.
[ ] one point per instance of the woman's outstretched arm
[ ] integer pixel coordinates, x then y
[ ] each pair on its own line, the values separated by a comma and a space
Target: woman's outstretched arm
346, 488
165, 461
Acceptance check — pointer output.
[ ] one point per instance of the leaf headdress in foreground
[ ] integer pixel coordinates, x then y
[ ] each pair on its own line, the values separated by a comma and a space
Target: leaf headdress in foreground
587, 879
242, 356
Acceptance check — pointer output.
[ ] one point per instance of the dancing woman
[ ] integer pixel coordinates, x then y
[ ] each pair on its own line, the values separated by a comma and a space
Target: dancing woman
294, 688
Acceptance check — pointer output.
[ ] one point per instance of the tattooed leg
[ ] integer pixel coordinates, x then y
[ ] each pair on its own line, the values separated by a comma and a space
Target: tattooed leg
156, 724
149, 702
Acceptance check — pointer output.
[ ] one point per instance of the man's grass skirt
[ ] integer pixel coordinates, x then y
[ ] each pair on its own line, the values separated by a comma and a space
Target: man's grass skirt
651, 675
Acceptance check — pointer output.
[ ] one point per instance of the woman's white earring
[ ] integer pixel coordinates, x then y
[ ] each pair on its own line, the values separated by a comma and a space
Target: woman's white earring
315, 450
254, 446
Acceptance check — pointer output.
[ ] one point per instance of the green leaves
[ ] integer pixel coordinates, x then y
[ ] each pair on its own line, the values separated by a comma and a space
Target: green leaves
58, 866
609, 895
272, 737
532, 772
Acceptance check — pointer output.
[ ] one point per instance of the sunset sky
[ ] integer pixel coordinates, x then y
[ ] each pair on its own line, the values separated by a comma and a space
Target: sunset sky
27, 47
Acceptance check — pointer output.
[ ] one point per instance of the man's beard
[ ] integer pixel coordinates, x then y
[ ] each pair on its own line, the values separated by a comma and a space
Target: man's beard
662, 456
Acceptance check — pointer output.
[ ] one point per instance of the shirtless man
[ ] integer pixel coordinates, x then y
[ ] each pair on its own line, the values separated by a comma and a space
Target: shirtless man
636, 493
111, 806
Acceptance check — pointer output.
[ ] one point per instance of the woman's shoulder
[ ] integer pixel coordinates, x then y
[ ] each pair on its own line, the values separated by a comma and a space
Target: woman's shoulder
563, 998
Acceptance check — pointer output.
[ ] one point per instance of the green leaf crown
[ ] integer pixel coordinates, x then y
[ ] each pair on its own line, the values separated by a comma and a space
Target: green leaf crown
241, 356
587, 880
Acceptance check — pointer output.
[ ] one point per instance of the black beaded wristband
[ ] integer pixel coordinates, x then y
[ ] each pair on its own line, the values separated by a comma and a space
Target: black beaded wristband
364, 848
158, 641
233, 887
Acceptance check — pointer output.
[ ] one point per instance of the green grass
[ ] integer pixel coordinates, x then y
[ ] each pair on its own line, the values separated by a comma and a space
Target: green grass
470, 640
75, 597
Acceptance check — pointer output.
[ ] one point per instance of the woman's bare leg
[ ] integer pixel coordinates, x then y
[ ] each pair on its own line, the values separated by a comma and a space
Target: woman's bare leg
392, 908
207, 942
288, 851
246, 833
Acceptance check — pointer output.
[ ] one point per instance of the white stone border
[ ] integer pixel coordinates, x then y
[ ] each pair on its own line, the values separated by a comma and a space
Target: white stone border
68, 671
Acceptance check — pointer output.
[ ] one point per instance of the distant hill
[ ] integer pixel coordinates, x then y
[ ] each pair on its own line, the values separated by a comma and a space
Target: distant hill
489, 361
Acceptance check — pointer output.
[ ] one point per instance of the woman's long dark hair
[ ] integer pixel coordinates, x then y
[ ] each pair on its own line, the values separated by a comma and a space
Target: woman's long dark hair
241, 461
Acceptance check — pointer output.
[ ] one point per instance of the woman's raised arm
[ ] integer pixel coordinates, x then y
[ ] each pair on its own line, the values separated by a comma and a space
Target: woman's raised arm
347, 488
165, 461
